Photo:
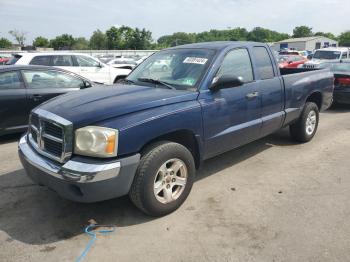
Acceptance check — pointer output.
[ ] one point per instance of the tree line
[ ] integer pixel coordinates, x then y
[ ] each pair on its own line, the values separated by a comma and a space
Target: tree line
127, 38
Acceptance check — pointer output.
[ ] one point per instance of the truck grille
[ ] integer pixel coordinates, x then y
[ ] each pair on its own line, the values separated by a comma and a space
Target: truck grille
51, 135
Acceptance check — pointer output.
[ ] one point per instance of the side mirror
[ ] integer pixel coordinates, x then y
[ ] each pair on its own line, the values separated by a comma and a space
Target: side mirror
309, 57
100, 65
289, 62
226, 81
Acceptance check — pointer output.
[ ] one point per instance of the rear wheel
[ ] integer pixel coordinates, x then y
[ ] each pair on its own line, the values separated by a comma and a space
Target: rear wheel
305, 128
163, 179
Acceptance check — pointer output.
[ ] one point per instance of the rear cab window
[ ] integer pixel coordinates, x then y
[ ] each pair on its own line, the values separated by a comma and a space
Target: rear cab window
263, 63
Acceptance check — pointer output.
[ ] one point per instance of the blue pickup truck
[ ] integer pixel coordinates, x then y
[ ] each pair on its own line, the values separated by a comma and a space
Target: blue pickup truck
147, 136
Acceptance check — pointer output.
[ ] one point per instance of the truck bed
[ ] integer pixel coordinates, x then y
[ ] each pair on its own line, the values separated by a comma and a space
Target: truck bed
299, 83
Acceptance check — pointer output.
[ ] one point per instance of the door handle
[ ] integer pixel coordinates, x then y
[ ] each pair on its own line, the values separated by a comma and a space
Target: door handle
252, 95
36, 97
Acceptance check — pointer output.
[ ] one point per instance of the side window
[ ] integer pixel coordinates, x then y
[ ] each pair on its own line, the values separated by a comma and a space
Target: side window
51, 79
344, 55
86, 61
263, 63
62, 60
237, 63
9, 80
40, 60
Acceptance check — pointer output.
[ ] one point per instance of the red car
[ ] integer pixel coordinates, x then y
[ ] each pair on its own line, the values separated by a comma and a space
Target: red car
291, 61
3, 60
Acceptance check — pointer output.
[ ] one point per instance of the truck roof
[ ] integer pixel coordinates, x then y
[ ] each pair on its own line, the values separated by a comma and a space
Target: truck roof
217, 45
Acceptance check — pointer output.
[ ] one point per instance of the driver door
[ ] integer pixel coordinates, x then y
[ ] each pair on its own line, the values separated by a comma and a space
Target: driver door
231, 116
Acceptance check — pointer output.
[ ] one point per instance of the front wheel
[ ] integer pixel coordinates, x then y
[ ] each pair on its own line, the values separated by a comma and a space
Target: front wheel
305, 128
163, 179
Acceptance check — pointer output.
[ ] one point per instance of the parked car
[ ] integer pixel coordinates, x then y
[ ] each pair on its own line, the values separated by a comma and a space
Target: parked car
341, 81
125, 63
24, 87
148, 137
80, 64
291, 61
327, 55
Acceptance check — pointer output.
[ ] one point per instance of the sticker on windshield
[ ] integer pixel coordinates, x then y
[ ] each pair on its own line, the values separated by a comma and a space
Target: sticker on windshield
195, 60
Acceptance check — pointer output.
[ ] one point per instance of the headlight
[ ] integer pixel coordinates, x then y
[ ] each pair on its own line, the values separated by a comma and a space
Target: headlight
96, 141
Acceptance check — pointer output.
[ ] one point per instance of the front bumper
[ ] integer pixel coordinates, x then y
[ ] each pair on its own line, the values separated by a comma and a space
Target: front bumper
80, 179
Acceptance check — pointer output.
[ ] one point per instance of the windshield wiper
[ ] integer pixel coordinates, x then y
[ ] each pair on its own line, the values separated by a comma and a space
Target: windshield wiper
156, 81
125, 81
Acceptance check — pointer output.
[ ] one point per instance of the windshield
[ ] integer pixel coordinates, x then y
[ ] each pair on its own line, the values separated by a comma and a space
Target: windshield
13, 60
284, 58
180, 68
327, 55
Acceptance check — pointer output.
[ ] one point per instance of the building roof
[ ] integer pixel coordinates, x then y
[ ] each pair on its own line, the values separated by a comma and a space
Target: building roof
303, 39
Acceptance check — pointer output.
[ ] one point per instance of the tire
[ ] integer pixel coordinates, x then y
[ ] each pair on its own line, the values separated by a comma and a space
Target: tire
306, 126
152, 175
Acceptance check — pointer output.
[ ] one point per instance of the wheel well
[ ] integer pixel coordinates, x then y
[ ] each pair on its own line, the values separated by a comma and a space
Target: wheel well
315, 98
183, 137
118, 78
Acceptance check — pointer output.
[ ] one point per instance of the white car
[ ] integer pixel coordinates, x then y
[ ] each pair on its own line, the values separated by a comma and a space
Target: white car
327, 55
80, 64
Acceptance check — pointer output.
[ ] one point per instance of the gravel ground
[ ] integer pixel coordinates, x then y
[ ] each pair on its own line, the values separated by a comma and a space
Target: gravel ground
271, 200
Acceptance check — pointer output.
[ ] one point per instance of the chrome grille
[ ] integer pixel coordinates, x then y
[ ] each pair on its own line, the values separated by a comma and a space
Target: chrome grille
53, 130
51, 135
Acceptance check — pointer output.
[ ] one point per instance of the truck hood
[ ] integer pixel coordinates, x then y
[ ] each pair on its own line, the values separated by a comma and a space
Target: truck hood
97, 104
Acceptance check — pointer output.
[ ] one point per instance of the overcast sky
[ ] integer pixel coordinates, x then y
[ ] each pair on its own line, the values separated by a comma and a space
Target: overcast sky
50, 18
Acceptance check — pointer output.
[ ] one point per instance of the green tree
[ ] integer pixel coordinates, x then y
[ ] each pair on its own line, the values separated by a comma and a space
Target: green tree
344, 39
81, 43
41, 42
328, 35
179, 38
126, 37
20, 36
5, 43
141, 39
302, 31
259, 34
113, 38
98, 40
63, 42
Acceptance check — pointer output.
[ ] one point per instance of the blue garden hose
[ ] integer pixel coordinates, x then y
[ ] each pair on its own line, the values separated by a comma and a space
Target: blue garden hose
90, 230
